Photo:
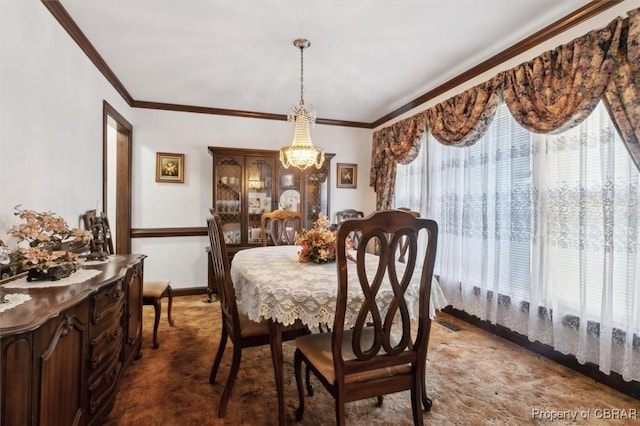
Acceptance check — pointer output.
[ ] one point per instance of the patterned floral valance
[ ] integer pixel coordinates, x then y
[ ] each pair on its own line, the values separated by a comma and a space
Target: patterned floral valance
551, 93
398, 143
623, 91
560, 88
463, 119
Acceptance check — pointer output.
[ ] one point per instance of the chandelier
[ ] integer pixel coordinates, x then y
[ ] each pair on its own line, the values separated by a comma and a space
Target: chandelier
301, 153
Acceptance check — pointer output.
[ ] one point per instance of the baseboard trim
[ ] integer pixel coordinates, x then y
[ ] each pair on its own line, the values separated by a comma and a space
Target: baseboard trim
613, 380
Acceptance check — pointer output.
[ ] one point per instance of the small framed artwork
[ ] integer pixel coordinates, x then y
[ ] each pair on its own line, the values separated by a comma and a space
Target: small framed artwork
169, 167
347, 175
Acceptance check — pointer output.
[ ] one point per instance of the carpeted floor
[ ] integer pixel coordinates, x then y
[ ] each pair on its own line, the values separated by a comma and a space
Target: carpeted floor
473, 377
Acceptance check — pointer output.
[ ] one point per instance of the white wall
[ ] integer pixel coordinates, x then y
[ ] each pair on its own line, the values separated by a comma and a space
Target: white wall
165, 205
51, 99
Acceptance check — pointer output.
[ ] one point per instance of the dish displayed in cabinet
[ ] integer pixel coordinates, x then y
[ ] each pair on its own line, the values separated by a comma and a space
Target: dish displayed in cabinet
231, 233
287, 180
290, 199
259, 202
228, 206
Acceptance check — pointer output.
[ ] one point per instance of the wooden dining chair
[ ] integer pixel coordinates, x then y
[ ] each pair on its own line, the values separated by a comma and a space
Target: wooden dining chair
237, 326
153, 291
283, 226
403, 247
383, 352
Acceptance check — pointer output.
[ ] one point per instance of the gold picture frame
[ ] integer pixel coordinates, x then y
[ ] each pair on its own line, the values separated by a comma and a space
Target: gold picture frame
347, 176
169, 167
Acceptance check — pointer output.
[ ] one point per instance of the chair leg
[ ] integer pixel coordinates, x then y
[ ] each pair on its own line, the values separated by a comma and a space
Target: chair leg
297, 365
233, 373
426, 401
169, 292
156, 322
216, 363
416, 396
310, 389
340, 411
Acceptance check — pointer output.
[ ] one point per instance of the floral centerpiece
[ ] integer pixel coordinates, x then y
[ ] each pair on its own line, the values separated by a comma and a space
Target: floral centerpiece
318, 244
41, 241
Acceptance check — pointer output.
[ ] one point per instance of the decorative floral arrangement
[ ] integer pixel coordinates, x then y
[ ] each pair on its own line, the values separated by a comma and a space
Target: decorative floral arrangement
318, 243
44, 234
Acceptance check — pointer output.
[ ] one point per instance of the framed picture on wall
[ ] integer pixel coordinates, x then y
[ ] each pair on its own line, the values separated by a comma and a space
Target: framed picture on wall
169, 167
347, 175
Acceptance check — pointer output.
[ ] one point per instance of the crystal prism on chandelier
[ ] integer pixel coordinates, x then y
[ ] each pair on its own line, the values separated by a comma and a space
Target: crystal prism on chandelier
301, 153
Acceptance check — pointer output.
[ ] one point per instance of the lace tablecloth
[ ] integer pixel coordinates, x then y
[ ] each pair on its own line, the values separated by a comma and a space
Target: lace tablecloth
13, 300
270, 282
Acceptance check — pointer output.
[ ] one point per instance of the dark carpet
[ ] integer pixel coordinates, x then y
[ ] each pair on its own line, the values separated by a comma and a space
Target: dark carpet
473, 377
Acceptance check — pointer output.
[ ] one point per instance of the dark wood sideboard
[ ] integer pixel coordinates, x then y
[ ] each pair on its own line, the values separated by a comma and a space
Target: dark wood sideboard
63, 351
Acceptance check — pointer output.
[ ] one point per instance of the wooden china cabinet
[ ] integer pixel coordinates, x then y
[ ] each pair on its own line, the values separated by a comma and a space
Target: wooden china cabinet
249, 182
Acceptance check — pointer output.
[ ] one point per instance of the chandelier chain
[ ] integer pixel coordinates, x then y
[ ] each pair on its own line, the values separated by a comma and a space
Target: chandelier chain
301, 75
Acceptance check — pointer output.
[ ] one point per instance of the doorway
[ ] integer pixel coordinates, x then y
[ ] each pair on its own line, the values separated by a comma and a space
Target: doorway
116, 176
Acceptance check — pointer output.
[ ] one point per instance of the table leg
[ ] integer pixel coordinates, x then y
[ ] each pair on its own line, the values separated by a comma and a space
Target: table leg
275, 337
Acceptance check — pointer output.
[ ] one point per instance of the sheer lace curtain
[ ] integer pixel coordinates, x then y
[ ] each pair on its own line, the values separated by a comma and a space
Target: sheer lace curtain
539, 234
586, 267
411, 191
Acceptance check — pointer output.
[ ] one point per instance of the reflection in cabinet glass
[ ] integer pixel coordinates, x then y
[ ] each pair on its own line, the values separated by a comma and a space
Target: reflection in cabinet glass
228, 190
317, 200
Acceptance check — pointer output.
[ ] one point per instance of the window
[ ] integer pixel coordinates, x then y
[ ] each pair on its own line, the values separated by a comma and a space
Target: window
543, 221
589, 188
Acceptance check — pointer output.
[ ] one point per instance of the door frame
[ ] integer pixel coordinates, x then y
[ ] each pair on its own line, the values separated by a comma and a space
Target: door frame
124, 143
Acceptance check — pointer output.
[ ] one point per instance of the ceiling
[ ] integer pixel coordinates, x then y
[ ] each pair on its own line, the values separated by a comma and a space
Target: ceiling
367, 58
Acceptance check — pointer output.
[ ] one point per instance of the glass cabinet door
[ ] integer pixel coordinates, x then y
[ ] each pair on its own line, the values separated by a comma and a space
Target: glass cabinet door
228, 200
259, 175
316, 194
289, 191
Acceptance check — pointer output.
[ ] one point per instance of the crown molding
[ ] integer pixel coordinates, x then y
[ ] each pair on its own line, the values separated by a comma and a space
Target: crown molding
61, 15
586, 12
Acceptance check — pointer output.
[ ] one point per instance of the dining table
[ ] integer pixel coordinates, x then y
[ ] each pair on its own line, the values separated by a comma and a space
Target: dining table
272, 284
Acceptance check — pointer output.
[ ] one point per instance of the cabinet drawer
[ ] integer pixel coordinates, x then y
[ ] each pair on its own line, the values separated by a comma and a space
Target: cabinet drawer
101, 388
107, 307
104, 344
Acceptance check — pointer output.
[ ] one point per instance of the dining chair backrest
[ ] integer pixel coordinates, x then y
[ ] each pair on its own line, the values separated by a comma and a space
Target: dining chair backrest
402, 248
98, 225
221, 272
348, 214
388, 228
343, 215
408, 210
281, 227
